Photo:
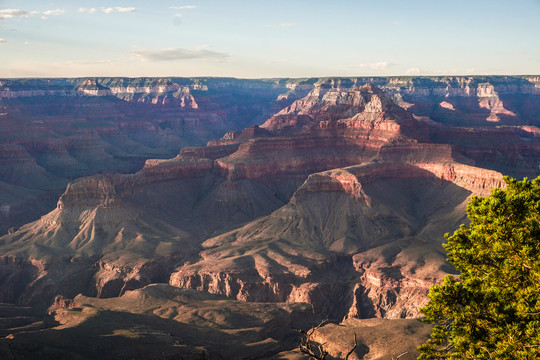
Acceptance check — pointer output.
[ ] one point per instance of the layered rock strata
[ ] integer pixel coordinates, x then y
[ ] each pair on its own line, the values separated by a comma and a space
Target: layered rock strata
340, 200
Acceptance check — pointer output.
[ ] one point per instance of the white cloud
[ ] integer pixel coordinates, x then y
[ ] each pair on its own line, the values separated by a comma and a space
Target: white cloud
54, 12
380, 65
87, 10
178, 54
184, 7
412, 71
125, 9
13, 13
118, 9
287, 24
177, 15
3, 41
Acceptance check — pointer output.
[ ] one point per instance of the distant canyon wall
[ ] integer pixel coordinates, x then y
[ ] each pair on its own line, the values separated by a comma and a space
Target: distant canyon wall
55, 130
457, 100
447, 86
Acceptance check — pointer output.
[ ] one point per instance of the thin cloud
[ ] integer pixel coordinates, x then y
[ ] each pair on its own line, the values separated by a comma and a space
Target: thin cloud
179, 54
278, 61
13, 13
87, 10
87, 62
447, 72
184, 7
412, 71
118, 9
178, 15
381, 65
54, 12
3, 41
287, 24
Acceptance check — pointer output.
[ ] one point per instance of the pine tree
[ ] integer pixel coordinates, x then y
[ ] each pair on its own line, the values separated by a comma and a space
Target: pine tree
492, 311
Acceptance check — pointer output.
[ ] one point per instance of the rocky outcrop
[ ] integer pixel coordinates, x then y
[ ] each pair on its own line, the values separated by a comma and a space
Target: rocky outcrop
325, 104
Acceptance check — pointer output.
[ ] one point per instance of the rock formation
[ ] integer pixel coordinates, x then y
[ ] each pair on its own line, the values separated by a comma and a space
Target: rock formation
55, 130
127, 231
339, 200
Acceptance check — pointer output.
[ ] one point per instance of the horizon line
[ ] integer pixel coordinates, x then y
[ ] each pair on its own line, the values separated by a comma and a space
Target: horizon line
266, 78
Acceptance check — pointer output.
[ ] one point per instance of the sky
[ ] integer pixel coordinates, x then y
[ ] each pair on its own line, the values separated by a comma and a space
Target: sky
268, 38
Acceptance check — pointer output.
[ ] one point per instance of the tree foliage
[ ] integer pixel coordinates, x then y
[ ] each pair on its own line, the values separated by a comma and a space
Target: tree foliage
493, 310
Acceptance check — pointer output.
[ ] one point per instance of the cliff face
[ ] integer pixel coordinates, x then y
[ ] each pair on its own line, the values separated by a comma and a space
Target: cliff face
341, 195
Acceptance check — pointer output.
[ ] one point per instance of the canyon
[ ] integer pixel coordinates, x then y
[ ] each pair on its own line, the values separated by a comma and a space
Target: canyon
313, 199
56, 130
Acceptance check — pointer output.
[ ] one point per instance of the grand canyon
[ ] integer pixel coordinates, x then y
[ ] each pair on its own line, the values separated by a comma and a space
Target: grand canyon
209, 218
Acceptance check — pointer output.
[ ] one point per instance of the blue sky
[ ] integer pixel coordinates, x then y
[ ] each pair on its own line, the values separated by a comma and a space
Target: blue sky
263, 38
